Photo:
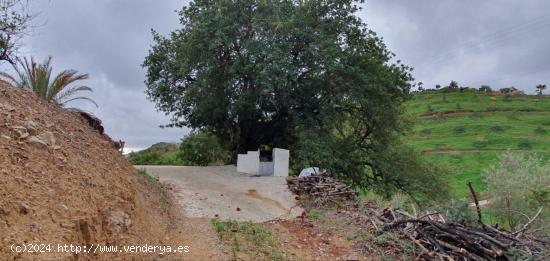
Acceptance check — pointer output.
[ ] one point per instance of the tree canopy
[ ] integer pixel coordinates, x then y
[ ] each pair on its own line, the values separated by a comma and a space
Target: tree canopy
306, 75
14, 22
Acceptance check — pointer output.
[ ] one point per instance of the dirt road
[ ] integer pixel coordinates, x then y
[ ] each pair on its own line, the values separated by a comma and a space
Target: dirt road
220, 191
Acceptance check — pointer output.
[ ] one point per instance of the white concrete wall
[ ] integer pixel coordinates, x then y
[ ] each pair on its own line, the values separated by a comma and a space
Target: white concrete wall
249, 162
280, 162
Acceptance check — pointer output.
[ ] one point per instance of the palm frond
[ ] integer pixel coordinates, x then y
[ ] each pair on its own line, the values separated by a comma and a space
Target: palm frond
61, 98
9, 79
63, 80
79, 98
38, 78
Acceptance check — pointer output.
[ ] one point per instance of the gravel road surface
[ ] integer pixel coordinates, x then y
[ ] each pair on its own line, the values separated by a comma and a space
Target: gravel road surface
220, 191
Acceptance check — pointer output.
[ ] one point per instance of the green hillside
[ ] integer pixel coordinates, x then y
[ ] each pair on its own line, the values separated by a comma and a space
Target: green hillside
161, 153
466, 131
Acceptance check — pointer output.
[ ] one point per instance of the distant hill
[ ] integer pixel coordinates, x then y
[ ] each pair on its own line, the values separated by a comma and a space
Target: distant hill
162, 153
467, 131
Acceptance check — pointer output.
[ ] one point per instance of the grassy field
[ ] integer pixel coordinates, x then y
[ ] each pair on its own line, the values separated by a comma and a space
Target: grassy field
468, 131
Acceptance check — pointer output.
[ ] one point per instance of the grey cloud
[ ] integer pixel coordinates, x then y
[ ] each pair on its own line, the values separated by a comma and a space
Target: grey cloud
108, 40
473, 42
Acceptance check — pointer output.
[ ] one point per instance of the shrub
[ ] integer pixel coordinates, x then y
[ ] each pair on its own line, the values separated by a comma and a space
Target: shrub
540, 130
481, 142
497, 128
475, 115
459, 211
440, 116
459, 129
485, 88
144, 157
524, 144
517, 187
512, 116
429, 108
425, 132
202, 148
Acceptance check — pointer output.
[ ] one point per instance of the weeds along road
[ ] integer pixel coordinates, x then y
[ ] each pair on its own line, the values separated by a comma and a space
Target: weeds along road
220, 191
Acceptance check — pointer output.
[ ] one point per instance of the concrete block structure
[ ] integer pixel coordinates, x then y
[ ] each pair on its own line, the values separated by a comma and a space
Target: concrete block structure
280, 162
250, 163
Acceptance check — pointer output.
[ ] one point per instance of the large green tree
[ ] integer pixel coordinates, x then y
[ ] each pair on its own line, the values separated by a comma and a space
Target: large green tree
308, 75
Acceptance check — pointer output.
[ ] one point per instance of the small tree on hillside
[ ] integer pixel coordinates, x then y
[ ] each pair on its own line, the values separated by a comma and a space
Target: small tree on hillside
485, 89
540, 88
453, 85
14, 22
437, 86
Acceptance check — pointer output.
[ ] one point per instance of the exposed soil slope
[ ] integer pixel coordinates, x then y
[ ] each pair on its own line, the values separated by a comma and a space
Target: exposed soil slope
63, 182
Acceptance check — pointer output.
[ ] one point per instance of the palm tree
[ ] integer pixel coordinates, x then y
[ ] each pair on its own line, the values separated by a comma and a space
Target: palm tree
38, 78
541, 88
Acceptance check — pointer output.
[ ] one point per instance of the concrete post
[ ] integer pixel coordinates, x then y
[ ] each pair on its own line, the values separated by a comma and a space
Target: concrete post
280, 162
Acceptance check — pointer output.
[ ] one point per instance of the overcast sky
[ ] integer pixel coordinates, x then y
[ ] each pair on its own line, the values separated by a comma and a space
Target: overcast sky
496, 42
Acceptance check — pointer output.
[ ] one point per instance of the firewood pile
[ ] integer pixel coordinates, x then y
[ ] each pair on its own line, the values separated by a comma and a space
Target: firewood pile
453, 241
439, 239
321, 187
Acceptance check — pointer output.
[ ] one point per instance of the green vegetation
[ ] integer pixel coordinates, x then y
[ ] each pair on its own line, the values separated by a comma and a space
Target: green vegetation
518, 188
158, 154
304, 75
150, 179
397, 247
196, 149
202, 148
471, 139
38, 78
315, 214
250, 239
158, 186
15, 18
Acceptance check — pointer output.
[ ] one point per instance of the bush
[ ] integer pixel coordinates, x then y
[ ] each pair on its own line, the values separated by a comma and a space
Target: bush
429, 108
203, 148
158, 154
524, 144
517, 187
475, 115
540, 130
425, 132
481, 142
459, 211
459, 129
144, 157
485, 89
497, 128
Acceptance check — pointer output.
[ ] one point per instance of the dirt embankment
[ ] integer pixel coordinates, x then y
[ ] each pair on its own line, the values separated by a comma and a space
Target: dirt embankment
62, 182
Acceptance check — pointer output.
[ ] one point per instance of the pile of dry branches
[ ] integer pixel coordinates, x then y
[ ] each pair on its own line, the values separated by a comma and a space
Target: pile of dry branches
442, 240
322, 187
